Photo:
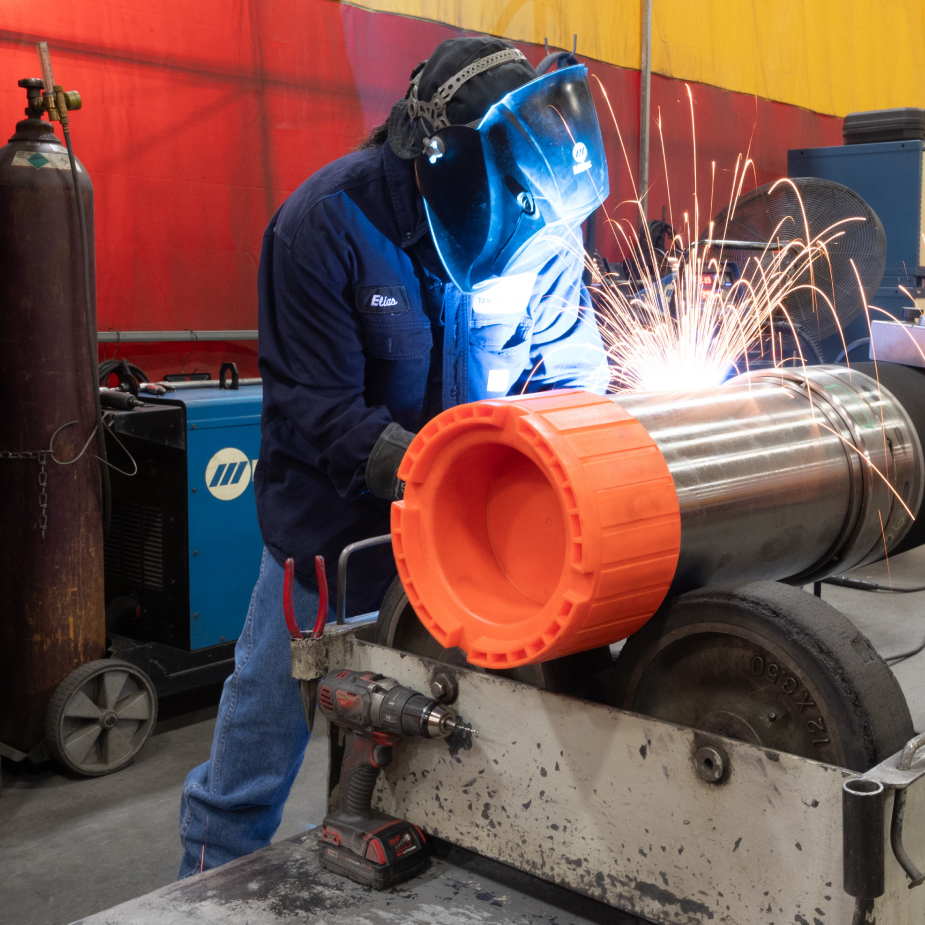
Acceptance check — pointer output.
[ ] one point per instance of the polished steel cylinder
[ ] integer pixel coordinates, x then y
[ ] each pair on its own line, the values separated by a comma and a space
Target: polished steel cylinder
785, 474
541, 525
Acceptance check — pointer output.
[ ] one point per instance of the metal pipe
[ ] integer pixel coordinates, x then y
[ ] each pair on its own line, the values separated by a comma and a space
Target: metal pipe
906, 760
645, 108
787, 463
142, 337
916, 877
538, 526
204, 384
347, 552
862, 834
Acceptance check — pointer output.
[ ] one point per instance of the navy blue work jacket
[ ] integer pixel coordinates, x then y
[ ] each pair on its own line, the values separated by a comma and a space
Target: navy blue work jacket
360, 326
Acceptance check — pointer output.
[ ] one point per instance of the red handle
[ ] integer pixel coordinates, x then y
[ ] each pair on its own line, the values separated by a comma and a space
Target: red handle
322, 617
288, 612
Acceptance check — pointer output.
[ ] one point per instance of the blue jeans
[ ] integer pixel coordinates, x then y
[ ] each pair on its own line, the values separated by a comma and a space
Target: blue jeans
232, 805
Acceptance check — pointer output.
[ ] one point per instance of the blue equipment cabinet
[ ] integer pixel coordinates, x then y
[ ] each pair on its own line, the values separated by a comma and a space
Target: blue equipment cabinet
183, 551
223, 442
889, 177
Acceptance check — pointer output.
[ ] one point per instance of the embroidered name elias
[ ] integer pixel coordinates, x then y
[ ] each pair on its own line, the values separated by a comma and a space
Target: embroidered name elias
383, 300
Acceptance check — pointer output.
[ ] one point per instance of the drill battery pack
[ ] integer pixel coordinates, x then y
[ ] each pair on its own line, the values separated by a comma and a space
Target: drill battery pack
390, 854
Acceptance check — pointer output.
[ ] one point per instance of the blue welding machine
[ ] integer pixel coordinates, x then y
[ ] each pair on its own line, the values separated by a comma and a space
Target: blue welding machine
888, 175
183, 550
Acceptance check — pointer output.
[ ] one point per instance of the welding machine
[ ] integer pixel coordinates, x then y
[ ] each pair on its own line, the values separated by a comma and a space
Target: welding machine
183, 551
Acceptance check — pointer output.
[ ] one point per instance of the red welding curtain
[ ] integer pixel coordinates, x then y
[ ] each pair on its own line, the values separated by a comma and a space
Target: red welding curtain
200, 118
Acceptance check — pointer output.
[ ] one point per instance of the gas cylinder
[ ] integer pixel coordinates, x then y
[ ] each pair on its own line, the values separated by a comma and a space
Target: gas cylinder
51, 537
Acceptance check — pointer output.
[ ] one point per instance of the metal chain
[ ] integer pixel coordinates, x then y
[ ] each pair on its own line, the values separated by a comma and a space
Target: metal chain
43, 495
41, 456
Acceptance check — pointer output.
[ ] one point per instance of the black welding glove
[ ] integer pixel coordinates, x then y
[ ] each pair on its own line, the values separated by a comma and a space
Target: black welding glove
382, 469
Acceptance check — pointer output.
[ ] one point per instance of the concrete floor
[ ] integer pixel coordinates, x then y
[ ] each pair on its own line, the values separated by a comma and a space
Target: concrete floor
894, 623
72, 846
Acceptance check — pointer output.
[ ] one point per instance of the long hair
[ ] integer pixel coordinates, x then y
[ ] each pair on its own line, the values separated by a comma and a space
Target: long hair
376, 138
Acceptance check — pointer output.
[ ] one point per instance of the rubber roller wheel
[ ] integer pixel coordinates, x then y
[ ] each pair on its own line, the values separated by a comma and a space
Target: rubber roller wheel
585, 674
100, 717
768, 664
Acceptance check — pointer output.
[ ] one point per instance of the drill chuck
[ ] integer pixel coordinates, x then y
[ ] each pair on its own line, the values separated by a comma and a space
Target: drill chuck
415, 715
364, 700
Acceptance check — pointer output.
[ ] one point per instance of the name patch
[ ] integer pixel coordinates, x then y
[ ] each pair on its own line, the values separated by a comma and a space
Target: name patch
382, 300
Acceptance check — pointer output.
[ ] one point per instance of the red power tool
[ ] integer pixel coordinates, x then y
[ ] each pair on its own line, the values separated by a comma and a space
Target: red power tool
367, 846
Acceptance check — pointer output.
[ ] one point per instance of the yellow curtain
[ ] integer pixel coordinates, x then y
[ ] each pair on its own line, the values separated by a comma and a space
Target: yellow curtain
830, 56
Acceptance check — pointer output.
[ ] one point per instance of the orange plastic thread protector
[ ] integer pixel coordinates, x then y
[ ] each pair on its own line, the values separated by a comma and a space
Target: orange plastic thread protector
534, 527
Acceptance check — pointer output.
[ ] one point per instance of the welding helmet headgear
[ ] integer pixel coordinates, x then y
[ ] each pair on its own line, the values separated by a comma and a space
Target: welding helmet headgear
456, 85
507, 193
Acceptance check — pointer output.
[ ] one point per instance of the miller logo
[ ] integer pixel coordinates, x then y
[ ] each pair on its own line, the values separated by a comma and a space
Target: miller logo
580, 154
228, 473
383, 300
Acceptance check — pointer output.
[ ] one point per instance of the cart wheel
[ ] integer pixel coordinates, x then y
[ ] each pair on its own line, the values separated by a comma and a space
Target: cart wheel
100, 717
769, 664
585, 674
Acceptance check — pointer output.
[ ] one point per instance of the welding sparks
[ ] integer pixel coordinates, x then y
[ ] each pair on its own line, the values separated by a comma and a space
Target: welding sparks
688, 317
697, 318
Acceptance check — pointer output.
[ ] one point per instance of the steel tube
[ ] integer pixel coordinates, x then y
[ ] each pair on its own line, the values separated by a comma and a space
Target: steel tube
205, 384
140, 337
541, 525
645, 106
862, 831
777, 473
346, 553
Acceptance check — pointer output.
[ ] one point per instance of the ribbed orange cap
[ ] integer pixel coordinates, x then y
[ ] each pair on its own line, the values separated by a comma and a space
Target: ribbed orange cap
534, 527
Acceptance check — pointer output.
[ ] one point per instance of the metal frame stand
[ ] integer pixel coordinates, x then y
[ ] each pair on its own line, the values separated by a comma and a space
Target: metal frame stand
626, 809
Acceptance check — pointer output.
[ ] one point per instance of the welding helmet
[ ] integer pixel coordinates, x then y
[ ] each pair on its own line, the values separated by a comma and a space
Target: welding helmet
506, 193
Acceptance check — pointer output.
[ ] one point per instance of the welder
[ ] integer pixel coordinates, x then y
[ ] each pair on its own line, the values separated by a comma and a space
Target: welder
439, 263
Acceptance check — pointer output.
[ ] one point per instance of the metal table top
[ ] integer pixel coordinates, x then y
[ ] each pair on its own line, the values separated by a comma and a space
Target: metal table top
285, 883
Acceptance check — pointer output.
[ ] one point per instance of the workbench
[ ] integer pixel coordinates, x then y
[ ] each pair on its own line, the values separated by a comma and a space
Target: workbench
285, 883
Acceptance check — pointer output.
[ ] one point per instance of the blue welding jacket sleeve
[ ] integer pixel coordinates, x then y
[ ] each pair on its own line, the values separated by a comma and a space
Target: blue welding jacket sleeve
313, 361
566, 351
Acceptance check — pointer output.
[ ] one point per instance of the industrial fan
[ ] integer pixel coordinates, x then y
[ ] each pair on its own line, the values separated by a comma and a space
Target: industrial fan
844, 276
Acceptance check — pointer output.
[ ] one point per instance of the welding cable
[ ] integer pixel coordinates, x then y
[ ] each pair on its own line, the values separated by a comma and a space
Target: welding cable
119, 400
109, 418
847, 351
288, 612
108, 367
322, 617
859, 584
902, 656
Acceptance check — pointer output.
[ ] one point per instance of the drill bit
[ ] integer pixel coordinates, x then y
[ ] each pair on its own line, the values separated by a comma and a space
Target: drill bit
456, 725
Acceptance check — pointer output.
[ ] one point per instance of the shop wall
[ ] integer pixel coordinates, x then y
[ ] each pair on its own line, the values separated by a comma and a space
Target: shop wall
200, 119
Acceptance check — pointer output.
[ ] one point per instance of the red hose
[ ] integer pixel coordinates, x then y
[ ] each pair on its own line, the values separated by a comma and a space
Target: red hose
288, 612
322, 598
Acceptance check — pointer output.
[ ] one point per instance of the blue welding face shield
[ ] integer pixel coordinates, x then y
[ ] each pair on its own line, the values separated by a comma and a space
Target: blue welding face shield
503, 195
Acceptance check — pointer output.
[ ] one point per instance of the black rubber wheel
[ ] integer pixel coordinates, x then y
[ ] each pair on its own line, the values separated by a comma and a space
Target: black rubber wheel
585, 674
100, 717
769, 664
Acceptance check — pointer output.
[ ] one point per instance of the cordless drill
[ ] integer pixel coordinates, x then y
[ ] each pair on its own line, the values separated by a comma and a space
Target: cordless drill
367, 846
